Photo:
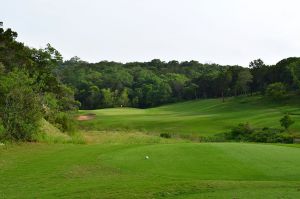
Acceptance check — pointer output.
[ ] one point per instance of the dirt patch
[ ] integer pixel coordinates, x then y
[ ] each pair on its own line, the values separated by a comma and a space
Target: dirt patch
86, 117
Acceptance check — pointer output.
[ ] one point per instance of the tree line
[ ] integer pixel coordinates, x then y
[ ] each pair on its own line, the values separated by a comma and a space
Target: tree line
30, 89
37, 84
147, 84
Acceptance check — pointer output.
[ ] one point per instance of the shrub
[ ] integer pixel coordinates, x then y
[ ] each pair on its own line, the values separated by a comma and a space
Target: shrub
265, 135
64, 122
20, 107
276, 91
286, 121
241, 132
285, 138
165, 135
21, 115
54, 115
21, 112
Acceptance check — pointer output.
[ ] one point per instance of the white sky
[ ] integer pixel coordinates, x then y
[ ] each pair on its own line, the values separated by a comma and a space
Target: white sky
220, 31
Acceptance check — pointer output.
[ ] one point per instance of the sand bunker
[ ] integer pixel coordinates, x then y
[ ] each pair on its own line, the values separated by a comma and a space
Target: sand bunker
86, 117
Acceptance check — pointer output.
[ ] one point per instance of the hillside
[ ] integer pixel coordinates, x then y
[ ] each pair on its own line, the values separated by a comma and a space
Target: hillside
150, 99
119, 160
199, 117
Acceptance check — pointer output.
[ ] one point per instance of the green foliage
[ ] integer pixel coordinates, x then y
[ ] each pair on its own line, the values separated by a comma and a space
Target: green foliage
286, 121
244, 132
243, 81
177, 83
123, 99
148, 84
50, 134
140, 84
259, 72
276, 91
267, 135
165, 135
224, 79
240, 133
156, 82
20, 107
2, 131
107, 98
30, 89
65, 122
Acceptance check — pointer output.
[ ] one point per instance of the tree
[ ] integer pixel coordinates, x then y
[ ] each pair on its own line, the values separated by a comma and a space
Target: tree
150, 89
276, 91
243, 81
224, 79
149, 83
107, 98
281, 72
259, 72
294, 67
190, 91
286, 121
123, 99
93, 98
29, 87
177, 83
116, 78
20, 108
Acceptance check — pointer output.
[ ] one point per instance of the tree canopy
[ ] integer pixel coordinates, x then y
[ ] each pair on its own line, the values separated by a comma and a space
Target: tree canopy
148, 84
29, 88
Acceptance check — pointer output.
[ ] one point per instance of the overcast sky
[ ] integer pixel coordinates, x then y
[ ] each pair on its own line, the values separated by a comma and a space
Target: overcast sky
219, 31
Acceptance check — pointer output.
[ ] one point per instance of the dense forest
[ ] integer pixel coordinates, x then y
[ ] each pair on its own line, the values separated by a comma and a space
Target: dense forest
147, 84
37, 84
30, 90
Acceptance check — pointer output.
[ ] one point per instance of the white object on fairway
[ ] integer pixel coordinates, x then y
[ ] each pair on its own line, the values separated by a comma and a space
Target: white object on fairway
147, 157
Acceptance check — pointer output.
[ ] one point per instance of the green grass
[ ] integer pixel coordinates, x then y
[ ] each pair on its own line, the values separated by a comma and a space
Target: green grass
202, 117
50, 134
175, 170
112, 163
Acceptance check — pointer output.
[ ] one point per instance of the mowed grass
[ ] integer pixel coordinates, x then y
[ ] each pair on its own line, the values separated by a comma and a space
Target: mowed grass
112, 163
173, 170
202, 117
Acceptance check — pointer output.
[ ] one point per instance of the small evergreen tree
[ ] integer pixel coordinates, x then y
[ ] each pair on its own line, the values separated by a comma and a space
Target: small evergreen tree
286, 121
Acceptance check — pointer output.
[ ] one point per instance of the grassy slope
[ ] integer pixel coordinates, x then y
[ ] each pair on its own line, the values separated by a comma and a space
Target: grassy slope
113, 164
203, 117
178, 170
50, 134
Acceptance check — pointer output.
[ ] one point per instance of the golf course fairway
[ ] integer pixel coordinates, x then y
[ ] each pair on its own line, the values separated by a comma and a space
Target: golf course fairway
195, 118
124, 157
173, 170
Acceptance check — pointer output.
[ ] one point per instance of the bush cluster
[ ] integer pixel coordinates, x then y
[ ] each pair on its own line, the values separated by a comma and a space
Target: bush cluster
244, 132
166, 135
276, 91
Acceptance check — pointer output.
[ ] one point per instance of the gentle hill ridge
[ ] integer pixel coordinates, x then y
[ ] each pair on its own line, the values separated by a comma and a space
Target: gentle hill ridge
201, 117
